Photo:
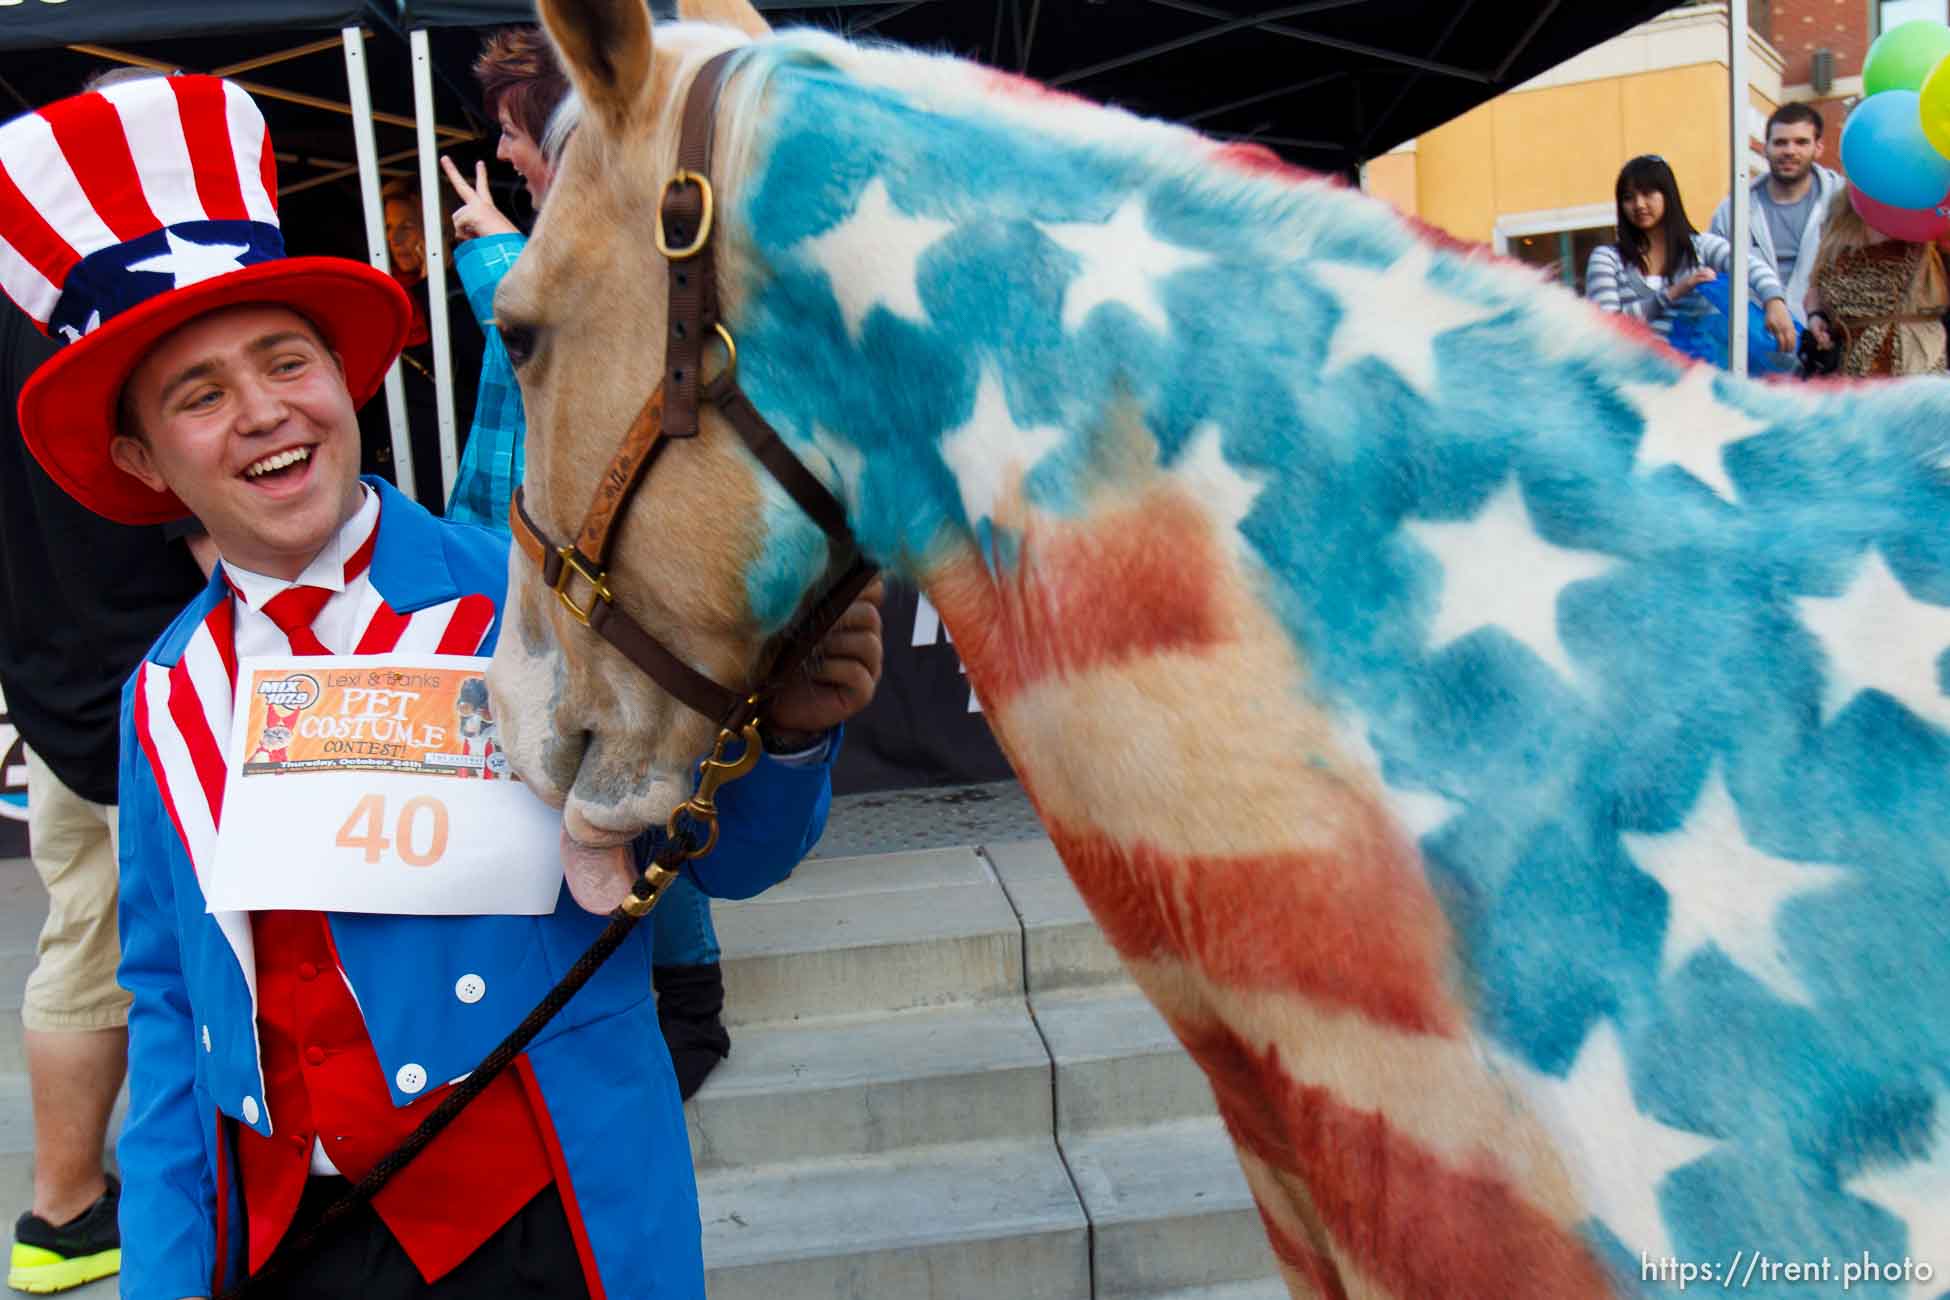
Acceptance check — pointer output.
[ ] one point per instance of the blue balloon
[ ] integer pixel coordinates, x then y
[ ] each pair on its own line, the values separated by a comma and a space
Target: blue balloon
1889, 157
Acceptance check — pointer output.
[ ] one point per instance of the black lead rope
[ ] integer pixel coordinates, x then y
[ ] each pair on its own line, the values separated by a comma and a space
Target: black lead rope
644, 894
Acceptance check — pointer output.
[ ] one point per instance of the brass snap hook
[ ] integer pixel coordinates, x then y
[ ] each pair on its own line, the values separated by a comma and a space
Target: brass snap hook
714, 773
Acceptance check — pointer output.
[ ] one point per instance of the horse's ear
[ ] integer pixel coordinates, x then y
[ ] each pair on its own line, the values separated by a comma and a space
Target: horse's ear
726, 13
605, 48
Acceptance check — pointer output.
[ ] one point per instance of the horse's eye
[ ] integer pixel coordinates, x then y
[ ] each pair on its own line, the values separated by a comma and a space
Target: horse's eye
520, 342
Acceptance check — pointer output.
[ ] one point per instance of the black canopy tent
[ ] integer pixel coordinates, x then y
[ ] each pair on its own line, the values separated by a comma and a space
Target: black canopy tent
1329, 84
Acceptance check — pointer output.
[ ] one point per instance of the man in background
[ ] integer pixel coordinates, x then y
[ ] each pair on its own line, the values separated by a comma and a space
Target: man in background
1790, 202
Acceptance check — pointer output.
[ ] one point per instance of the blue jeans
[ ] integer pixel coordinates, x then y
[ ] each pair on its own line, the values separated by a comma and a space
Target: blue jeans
681, 930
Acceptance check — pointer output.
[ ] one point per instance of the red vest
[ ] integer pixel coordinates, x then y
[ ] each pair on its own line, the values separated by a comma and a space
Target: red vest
323, 1080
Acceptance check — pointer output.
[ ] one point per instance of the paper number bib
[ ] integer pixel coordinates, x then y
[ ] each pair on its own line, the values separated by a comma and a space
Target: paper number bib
376, 783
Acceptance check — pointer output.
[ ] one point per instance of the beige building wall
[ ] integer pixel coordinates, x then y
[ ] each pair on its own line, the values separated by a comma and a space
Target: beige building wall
1554, 146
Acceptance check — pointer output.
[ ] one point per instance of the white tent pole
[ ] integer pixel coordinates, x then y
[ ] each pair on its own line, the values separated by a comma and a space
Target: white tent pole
1741, 109
436, 238
359, 91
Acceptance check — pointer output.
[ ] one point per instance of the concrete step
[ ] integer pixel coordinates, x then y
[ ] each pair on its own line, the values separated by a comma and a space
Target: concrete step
819, 1089
1169, 1209
948, 1223
861, 935
1265, 1288
1062, 946
1117, 1063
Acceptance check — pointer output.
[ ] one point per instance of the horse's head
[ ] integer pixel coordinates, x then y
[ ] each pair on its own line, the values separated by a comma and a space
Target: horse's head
583, 315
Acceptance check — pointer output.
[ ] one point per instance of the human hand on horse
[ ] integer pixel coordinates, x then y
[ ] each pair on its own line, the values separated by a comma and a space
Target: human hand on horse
477, 214
839, 681
840, 677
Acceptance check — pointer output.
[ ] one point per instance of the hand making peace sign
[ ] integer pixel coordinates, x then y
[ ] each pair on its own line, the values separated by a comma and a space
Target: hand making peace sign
477, 215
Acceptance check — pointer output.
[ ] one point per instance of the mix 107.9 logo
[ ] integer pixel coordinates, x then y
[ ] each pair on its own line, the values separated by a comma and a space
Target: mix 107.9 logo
13, 769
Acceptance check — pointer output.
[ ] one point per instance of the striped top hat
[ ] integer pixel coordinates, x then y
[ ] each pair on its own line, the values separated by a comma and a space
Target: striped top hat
129, 211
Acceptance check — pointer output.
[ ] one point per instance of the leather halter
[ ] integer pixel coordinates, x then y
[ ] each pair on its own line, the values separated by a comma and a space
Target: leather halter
686, 226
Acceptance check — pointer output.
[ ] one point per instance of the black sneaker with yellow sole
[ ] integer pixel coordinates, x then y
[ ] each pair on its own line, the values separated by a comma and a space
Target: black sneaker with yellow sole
47, 1258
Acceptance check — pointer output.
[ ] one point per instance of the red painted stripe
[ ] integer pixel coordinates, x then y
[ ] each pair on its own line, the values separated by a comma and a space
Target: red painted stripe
1012, 86
537, 1103
1119, 586
206, 755
1317, 1268
90, 133
473, 616
1405, 1218
1259, 160
383, 632
1353, 925
267, 168
207, 131
148, 741
31, 235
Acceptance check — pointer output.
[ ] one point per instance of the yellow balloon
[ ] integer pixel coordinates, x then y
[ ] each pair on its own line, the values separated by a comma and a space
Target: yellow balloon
1935, 106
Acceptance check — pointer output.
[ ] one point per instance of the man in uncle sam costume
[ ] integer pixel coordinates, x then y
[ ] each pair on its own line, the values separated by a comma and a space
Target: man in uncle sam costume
275, 1054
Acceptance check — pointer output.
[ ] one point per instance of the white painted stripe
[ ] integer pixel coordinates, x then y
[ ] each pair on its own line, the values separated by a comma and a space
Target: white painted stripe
29, 153
153, 121
31, 290
247, 143
424, 630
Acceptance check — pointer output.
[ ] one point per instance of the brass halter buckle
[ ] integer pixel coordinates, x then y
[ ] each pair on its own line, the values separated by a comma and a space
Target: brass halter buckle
572, 565
714, 772
703, 236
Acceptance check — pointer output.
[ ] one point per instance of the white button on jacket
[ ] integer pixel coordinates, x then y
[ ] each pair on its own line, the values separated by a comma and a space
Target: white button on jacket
411, 1078
470, 988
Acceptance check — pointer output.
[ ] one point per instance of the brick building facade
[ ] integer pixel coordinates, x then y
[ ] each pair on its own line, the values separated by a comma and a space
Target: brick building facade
1803, 29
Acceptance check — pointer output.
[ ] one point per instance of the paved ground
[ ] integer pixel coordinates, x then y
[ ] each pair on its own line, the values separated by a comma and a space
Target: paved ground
896, 821
884, 822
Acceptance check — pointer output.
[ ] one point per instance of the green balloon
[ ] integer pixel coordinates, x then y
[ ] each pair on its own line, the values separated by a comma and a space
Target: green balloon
1903, 56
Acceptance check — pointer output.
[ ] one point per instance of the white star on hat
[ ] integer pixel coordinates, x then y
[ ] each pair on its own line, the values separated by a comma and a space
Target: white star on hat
191, 262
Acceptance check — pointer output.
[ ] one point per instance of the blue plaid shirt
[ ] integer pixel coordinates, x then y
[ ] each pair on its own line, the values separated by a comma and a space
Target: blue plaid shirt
491, 465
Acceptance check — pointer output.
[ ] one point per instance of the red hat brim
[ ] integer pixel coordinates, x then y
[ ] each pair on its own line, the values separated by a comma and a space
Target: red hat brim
68, 408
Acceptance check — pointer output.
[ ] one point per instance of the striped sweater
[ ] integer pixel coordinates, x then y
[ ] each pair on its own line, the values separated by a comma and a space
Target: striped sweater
1616, 286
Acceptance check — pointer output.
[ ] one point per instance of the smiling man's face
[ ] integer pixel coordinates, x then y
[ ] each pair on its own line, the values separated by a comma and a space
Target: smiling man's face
245, 416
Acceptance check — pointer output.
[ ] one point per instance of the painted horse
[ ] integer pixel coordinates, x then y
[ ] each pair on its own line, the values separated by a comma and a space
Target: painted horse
1517, 764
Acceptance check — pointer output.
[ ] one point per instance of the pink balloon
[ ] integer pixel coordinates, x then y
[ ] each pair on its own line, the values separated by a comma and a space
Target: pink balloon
1912, 225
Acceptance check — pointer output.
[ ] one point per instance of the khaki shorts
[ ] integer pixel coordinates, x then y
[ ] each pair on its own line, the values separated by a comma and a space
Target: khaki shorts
73, 843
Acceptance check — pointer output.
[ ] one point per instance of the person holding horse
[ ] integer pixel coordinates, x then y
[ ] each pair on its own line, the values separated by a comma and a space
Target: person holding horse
522, 87
277, 1054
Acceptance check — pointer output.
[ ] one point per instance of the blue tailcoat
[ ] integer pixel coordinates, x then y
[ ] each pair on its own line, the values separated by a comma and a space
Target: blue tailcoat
601, 1063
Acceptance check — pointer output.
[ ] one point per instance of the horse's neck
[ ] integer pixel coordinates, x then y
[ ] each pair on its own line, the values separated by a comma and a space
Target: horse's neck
913, 289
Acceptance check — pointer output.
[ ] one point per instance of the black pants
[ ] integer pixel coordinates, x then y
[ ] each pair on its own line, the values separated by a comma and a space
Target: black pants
533, 1257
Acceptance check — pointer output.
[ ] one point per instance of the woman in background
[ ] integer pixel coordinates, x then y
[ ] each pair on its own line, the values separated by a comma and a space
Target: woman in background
1651, 272
1880, 299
